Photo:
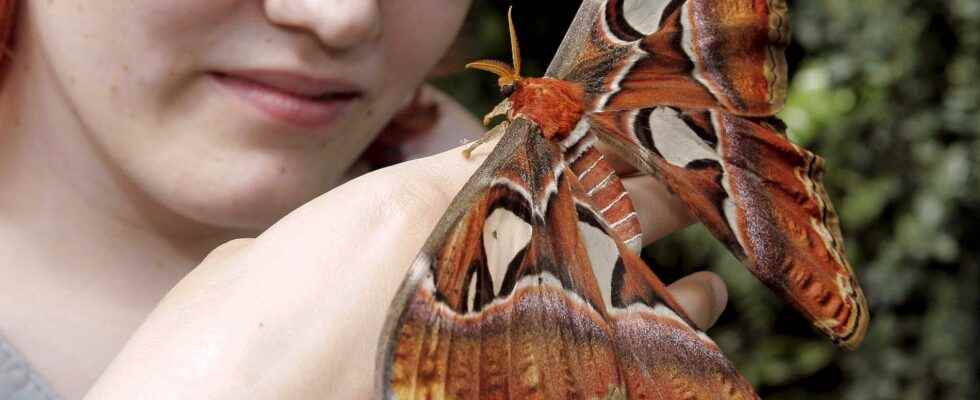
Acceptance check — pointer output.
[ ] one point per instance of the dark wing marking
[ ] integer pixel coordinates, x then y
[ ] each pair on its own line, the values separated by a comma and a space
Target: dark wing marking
685, 90
660, 353
759, 194
547, 332
578, 44
693, 54
436, 346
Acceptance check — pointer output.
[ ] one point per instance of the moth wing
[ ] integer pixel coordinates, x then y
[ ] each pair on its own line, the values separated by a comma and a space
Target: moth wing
587, 33
660, 352
694, 54
503, 303
683, 89
439, 282
758, 193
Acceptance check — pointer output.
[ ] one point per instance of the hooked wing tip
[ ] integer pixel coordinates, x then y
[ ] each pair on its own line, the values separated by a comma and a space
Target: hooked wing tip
857, 328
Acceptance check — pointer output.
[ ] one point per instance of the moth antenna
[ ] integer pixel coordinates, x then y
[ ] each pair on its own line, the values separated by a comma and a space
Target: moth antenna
495, 67
509, 75
515, 46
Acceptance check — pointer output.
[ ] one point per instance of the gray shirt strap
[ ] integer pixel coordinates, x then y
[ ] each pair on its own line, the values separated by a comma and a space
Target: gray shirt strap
18, 381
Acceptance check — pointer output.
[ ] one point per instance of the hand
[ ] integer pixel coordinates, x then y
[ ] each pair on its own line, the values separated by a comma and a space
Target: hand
296, 312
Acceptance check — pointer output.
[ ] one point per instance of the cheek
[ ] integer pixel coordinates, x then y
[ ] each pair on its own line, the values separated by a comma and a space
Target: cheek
418, 33
117, 61
133, 86
127, 86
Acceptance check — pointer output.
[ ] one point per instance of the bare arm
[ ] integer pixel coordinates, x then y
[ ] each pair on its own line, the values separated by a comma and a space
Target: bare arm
296, 312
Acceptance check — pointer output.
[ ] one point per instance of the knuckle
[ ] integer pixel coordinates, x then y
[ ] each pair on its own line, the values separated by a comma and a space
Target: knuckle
409, 197
412, 194
417, 199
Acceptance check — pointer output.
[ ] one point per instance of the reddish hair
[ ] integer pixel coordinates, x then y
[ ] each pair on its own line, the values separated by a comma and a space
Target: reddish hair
7, 8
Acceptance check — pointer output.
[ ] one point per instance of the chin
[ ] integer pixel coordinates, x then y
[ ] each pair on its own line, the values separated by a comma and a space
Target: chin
247, 196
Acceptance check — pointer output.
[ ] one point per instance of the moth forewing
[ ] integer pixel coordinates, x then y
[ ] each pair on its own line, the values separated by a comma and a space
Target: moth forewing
546, 331
421, 276
685, 91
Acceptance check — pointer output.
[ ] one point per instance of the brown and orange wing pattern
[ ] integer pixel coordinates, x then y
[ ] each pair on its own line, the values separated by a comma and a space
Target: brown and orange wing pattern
759, 194
685, 90
693, 54
502, 303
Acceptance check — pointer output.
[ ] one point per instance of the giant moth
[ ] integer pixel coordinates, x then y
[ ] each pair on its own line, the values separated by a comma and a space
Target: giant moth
530, 286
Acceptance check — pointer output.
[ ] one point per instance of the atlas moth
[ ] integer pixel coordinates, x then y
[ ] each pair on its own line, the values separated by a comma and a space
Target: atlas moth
530, 286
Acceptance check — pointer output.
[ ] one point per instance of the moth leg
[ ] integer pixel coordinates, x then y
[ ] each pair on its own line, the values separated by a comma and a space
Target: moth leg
500, 110
492, 133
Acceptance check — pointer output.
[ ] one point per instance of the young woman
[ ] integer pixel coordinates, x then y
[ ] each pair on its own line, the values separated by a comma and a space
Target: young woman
137, 136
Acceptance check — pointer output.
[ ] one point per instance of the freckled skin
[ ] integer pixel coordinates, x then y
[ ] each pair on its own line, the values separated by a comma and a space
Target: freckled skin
555, 105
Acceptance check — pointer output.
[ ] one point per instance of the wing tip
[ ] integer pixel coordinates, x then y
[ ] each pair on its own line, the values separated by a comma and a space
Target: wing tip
858, 328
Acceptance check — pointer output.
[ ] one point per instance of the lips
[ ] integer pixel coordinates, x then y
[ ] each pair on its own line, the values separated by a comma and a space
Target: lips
291, 98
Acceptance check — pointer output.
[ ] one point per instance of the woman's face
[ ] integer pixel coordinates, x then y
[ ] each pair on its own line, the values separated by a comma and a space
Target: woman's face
233, 112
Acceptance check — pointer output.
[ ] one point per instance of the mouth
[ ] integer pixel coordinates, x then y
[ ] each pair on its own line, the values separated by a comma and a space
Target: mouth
294, 99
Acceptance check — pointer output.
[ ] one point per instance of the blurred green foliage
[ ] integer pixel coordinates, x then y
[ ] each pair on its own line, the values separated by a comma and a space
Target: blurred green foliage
889, 93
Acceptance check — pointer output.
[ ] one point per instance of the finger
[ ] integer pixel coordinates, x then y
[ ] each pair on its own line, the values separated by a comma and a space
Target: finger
621, 166
659, 211
451, 169
703, 296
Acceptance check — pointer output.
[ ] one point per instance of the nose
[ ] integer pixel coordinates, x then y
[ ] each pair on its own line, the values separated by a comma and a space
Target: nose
339, 24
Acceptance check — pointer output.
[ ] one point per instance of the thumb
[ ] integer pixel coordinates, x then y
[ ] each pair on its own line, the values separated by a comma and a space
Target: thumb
703, 296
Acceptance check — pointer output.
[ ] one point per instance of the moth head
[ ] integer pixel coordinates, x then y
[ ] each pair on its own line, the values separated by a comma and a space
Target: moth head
507, 88
509, 76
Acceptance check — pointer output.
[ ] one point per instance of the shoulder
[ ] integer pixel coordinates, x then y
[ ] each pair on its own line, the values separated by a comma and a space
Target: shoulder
454, 126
